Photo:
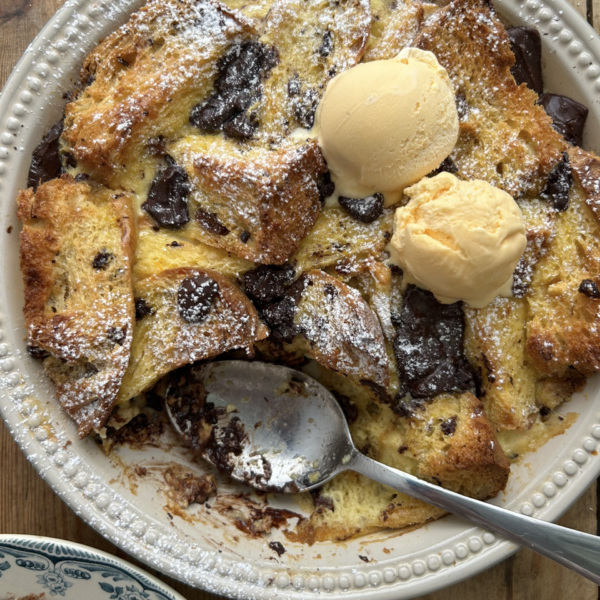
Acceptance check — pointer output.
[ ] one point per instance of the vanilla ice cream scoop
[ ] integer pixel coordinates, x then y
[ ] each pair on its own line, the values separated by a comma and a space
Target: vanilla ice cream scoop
459, 239
383, 125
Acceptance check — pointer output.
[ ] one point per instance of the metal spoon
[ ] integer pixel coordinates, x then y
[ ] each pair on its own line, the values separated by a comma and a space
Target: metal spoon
276, 429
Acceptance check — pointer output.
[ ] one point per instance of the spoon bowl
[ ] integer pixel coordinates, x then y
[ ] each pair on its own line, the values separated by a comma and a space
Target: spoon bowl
276, 429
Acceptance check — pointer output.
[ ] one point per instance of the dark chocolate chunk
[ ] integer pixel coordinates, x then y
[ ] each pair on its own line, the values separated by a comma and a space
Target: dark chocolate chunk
568, 116
447, 166
195, 298
267, 283
277, 547
210, 222
116, 335
558, 185
462, 106
186, 397
348, 407
142, 308
280, 315
429, 345
545, 411
231, 440
216, 111
305, 107
36, 352
366, 209
326, 46
448, 426
589, 288
90, 370
45, 160
240, 127
69, 160
245, 236
526, 44
157, 146
325, 186
101, 260
167, 198
237, 87
321, 502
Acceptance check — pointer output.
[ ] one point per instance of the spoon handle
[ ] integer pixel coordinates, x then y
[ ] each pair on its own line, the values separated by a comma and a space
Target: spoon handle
573, 549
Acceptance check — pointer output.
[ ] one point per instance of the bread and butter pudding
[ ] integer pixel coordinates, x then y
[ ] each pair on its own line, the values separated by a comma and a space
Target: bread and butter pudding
183, 210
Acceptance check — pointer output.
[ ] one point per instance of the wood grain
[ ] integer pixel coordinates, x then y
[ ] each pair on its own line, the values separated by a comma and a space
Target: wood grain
28, 505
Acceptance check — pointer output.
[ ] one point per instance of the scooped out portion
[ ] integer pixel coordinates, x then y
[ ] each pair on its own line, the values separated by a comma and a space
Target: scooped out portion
459, 239
384, 125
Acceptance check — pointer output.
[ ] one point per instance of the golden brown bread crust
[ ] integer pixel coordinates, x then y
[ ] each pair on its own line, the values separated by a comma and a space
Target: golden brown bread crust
315, 41
77, 249
164, 341
394, 26
145, 79
448, 441
267, 200
342, 332
563, 325
505, 137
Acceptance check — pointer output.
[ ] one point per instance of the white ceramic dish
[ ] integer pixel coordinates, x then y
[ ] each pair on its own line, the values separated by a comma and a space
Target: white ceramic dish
32, 565
211, 553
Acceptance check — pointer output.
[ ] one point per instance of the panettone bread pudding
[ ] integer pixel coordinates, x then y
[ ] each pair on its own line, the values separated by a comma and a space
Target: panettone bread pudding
181, 211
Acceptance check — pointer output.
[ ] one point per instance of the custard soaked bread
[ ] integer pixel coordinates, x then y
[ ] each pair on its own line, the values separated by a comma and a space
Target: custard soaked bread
448, 441
76, 258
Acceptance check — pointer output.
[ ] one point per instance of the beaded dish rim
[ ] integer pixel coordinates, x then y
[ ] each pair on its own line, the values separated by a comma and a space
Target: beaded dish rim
451, 550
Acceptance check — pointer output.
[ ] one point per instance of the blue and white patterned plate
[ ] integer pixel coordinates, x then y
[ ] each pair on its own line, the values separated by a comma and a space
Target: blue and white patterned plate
48, 568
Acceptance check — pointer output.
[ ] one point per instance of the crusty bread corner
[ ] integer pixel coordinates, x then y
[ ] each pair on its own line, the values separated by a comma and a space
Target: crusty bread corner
164, 341
447, 441
77, 248
315, 41
563, 324
394, 26
144, 79
342, 332
505, 138
267, 200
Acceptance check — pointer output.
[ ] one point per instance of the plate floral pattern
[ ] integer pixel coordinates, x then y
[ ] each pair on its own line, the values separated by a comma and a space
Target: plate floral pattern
56, 569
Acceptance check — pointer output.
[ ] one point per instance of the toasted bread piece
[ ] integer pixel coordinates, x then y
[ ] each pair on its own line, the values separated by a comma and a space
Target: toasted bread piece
395, 24
255, 202
77, 250
145, 78
315, 39
340, 241
495, 339
448, 441
164, 341
161, 250
505, 137
563, 326
352, 505
342, 332
495, 344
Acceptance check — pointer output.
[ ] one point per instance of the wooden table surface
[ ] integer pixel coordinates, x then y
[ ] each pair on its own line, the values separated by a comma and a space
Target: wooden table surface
28, 505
